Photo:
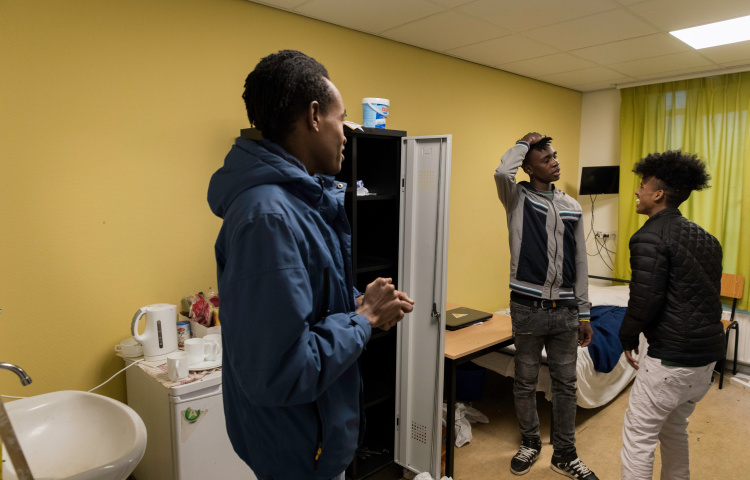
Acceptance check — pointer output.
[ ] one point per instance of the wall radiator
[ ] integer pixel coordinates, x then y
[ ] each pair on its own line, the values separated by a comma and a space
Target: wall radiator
743, 345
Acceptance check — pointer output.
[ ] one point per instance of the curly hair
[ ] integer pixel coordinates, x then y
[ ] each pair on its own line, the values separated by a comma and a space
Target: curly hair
678, 174
540, 145
280, 89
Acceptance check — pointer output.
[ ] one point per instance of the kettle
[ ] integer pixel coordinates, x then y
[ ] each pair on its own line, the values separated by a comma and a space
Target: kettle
160, 336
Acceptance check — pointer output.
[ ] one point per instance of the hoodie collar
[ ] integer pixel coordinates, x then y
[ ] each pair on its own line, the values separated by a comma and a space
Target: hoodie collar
251, 163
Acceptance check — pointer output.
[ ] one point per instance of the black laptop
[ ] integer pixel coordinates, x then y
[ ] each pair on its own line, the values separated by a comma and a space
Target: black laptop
463, 317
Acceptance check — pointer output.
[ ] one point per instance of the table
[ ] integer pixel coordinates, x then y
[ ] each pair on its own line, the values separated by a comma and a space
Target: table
464, 345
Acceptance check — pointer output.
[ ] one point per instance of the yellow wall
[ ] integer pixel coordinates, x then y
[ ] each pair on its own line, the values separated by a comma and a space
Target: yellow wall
115, 114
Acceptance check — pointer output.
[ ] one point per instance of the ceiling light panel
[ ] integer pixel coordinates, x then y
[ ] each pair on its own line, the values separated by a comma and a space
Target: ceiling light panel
714, 34
671, 15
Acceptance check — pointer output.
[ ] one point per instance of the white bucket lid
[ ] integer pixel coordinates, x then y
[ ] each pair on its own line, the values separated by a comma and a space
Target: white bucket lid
381, 101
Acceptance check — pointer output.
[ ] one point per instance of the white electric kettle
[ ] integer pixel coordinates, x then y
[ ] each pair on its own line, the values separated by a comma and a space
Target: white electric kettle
160, 336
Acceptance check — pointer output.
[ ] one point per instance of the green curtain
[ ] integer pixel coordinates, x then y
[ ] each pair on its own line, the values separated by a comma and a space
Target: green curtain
707, 117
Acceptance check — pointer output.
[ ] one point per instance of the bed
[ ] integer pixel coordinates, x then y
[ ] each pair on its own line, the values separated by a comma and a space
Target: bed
602, 369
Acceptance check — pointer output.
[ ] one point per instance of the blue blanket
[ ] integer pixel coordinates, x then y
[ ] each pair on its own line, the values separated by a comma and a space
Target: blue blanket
605, 349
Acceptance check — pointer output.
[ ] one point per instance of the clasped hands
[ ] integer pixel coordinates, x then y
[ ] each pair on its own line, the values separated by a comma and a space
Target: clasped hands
383, 305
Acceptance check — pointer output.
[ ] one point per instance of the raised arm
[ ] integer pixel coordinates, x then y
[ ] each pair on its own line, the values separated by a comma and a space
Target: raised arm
505, 174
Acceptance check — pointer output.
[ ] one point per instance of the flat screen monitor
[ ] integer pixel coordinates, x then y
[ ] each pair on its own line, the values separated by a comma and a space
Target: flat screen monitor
600, 180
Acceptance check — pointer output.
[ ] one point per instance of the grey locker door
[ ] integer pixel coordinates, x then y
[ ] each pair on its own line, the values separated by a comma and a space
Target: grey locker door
423, 264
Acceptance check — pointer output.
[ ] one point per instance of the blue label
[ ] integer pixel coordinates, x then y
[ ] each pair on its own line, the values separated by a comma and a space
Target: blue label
374, 115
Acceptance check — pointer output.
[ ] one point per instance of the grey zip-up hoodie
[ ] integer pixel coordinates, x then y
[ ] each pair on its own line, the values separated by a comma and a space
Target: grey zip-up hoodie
547, 240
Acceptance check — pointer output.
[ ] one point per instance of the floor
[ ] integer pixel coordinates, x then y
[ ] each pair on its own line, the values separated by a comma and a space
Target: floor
719, 431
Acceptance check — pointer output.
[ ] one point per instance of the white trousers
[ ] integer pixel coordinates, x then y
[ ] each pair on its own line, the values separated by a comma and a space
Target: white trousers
661, 400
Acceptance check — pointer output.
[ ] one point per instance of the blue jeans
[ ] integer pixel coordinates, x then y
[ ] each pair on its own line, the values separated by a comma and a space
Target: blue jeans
556, 330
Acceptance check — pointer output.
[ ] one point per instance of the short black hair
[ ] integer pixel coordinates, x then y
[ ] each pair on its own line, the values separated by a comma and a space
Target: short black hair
280, 89
677, 173
540, 145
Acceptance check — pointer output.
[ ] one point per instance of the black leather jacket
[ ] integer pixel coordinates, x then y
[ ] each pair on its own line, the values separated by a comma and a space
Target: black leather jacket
674, 291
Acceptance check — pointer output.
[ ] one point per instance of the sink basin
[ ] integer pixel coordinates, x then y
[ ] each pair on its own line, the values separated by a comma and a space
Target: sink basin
77, 436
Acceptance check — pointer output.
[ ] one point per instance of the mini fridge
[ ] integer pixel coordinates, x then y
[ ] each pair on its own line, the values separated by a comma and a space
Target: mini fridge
187, 438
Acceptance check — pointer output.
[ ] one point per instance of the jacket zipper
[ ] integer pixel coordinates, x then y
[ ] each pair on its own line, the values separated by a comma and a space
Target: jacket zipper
319, 448
554, 234
325, 311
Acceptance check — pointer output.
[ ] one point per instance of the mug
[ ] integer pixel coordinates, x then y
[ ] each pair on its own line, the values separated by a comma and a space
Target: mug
129, 348
212, 349
177, 365
195, 348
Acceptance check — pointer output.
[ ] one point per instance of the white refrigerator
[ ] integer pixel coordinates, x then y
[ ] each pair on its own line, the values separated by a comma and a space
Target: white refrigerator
187, 438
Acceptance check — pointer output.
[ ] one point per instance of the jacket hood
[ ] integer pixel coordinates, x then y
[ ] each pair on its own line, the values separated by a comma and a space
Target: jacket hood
249, 164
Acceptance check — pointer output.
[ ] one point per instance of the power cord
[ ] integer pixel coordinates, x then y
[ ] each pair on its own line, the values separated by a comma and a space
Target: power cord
601, 243
105, 382
116, 374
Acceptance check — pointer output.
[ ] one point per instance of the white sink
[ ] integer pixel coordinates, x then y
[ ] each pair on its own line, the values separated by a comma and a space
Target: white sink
77, 436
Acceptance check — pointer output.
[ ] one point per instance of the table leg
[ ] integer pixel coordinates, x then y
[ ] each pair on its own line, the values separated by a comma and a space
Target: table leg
450, 420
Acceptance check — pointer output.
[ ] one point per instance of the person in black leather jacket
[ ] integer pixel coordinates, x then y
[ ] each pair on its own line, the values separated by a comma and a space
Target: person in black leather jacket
674, 301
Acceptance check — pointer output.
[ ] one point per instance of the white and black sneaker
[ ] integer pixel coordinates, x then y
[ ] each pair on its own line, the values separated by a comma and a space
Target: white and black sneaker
527, 455
574, 468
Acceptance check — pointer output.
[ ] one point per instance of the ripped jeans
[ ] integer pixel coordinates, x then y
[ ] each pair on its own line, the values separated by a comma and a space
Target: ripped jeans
556, 330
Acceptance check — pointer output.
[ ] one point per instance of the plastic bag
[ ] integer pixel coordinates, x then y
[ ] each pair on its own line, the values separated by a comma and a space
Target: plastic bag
361, 189
200, 307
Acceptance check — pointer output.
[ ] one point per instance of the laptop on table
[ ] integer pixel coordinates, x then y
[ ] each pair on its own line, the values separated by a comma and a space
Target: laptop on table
461, 317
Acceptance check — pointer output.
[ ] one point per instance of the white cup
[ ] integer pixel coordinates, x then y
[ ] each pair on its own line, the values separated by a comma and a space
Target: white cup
129, 348
195, 350
177, 365
212, 347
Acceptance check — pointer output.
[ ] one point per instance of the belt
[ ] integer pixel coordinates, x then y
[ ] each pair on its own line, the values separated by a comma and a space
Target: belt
539, 303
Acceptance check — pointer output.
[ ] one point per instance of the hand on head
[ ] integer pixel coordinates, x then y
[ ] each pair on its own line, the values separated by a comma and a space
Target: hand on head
383, 305
532, 138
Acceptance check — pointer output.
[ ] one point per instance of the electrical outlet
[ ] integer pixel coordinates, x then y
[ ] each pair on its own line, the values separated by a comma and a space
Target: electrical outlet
605, 235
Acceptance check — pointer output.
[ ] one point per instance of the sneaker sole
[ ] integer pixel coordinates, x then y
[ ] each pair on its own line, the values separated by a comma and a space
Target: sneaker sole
524, 472
561, 472
520, 473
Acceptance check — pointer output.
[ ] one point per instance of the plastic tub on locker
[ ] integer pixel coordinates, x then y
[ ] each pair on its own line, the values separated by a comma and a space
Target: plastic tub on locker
375, 111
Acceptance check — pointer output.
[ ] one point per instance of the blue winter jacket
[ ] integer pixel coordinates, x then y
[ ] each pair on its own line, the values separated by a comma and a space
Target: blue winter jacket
292, 388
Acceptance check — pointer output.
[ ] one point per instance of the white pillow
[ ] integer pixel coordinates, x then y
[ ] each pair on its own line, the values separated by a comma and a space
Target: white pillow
616, 295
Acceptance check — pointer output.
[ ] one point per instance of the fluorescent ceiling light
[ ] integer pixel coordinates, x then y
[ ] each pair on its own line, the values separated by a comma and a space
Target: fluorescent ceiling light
713, 34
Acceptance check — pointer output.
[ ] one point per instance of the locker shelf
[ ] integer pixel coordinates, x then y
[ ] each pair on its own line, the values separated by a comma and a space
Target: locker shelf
371, 264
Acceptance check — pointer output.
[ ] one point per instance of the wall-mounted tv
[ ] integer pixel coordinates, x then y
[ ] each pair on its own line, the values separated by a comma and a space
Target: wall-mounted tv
600, 180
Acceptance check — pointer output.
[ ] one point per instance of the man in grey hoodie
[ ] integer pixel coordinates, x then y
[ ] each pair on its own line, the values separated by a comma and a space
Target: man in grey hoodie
549, 304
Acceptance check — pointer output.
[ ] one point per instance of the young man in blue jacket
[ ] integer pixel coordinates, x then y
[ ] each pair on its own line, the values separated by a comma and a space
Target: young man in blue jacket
293, 323
549, 304
674, 301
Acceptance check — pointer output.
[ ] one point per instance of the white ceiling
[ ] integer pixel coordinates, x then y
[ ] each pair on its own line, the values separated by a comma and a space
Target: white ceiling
584, 45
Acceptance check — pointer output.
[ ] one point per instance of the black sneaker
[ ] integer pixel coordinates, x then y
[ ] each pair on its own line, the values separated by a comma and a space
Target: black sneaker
574, 468
527, 454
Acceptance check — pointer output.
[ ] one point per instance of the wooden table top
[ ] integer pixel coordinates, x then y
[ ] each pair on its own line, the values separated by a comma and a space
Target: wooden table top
473, 338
